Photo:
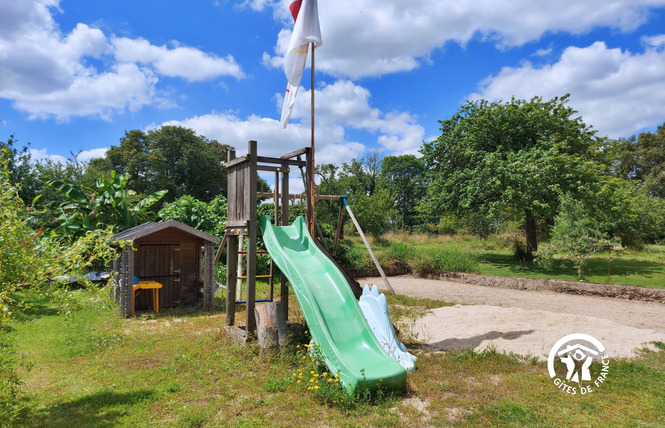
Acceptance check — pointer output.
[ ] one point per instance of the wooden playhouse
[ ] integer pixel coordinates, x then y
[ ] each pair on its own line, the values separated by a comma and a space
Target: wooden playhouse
177, 256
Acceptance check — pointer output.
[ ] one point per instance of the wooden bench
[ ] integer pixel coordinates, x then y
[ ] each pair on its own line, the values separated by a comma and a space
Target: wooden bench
148, 285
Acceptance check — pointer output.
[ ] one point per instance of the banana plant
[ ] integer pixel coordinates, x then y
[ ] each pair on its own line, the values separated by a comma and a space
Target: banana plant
107, 203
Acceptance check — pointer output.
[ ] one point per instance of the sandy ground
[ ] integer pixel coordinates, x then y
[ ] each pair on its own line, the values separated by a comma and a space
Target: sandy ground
525, 322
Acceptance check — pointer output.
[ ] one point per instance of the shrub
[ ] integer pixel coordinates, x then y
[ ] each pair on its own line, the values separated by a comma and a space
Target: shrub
427, 263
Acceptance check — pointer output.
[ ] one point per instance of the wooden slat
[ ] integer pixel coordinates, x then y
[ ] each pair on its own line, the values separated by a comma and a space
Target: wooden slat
236, 161
280, 161
293, 154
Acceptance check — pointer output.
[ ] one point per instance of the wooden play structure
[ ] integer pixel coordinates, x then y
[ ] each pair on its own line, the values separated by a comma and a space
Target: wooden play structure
178, 257
242, 225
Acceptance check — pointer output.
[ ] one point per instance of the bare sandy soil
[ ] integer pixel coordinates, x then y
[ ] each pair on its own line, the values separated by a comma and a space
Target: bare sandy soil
525, 322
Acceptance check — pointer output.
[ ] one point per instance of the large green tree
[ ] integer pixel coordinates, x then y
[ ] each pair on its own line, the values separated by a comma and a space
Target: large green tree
404, 179
641, 160
518, 156
172, 158
360, 180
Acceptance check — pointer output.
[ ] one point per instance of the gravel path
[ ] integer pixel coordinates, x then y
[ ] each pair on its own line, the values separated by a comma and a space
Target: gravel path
526, 322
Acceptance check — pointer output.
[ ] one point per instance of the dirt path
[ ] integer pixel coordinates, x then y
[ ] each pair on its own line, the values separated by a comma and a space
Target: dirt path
526, 322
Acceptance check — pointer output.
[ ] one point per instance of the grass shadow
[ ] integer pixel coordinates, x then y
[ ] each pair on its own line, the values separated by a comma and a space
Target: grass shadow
100, 409
562, 269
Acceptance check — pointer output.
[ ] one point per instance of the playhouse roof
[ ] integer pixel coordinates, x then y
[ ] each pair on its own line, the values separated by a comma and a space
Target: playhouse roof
150, 228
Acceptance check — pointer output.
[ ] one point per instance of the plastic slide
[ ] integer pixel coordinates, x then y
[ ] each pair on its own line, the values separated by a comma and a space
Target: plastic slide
336, 323
375, 309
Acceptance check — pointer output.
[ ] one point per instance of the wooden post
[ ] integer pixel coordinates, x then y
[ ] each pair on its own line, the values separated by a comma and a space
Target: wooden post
126, 287
250, 189
309, 192
284, 287
208, 275
231, 260
130, 278
310, 169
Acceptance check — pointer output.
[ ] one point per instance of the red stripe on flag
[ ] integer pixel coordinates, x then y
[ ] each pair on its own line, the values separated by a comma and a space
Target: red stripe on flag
295, 8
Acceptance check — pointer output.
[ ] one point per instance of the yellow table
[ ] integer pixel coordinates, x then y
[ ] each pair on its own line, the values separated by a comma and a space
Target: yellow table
148, 285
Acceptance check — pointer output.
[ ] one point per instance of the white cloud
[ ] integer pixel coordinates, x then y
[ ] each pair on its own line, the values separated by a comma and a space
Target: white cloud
86, 155
655, 41
48, 73
340, 106
125, 87
615, 91
373, 37
83, 156
41, 154
185, 62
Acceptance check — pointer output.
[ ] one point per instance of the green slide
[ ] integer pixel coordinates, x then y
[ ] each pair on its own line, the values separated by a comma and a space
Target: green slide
335, 321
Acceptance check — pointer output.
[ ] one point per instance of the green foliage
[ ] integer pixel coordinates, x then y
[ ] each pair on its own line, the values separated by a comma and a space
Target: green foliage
430, 262
626, 211
403, 177
641, 160
515, 157
208, 217
371, 202
20, 169
373, 212
578, 235
107, 204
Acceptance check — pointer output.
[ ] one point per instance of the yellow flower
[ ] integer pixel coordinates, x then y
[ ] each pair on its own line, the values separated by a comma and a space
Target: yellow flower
304, 356
309, 387
336, 380
311, 372
329, 379
311, 380
324, 374
294, 374
316, 375
297, 346
298, 381
316, 387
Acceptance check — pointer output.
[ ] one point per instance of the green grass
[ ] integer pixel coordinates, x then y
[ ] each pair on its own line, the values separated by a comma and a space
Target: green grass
424, 254
180, 368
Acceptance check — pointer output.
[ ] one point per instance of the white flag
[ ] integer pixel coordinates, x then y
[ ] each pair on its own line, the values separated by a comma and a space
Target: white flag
305, 31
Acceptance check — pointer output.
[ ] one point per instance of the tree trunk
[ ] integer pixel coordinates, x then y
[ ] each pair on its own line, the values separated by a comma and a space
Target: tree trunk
531, 230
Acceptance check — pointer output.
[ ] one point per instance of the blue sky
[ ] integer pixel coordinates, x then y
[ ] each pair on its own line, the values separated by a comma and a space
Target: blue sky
75, 74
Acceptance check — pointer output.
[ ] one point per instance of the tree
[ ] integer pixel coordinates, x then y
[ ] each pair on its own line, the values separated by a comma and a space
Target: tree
641, 160
515, 157
20, 171
172, 158
360, 181
403, 177
578, 234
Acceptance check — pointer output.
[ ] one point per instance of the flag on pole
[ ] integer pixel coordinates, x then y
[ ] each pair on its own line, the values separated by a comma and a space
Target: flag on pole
305, 31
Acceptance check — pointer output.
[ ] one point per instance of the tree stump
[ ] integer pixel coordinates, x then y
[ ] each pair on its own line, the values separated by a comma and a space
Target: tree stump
271, 329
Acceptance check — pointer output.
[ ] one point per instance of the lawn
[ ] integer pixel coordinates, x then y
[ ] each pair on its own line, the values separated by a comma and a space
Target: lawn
494, 256
89, 367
